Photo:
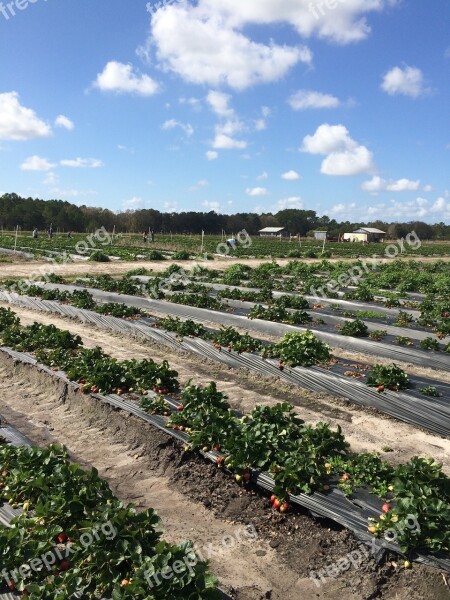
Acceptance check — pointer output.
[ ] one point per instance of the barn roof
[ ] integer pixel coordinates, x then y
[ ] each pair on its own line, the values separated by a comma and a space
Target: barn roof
271, 229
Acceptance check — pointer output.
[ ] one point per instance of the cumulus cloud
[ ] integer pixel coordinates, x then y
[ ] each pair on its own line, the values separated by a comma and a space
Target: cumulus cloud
226, 142
36, 163
212, 205
92, 163
256, 191
62, 121
133, 203
212, 155
406, 81
203, 46
120, 78
306, 99
172, 123
291, 202
343, 23
291, 176
345, 156
18, 122
419, 208
377, 184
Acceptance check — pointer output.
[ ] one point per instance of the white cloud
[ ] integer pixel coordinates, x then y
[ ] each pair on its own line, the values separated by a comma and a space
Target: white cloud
36, 163
348, 162
71, 193
212, 205
419, 208
18, 122
62, 121
202, 46
92, 163
408, 81
220, 104
120, 78
260, 125
133, 203
256, 191
377, 184
262, 176
200, 184
291, 202
305, 99
225, 142
125, 148
194, 103
212, 155
345, 156
172, 123
342, 22
291, 176
51, 179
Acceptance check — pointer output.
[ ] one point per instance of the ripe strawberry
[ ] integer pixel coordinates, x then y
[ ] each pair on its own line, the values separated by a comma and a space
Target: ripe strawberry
386, 507
219, 460
64, 565
12, 585
62, 538
276, 505
380, 388
180, 407
273, 498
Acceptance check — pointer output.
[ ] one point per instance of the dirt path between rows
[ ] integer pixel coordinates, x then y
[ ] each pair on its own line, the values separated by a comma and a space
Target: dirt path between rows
199, 502
365, 430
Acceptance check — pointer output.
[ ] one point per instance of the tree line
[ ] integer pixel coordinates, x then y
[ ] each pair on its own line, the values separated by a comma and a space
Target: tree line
30, 213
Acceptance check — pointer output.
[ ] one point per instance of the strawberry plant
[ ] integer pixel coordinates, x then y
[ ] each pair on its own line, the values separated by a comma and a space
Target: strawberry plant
377, 334
121, 311
365, 469
422, 491
232, 339
403, 319
430, 390
183, 328
390, 376
155, 405
356, 328
198, 300
301, 349
430, 343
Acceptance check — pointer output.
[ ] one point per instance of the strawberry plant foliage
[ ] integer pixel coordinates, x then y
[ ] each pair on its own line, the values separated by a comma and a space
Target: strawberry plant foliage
390, 376
67, 500
301, 349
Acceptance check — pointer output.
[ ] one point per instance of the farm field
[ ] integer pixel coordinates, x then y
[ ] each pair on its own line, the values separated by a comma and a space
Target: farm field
323, 403
131, 247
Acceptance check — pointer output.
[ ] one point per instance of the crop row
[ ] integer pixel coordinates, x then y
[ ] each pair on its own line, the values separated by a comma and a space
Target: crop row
75, 536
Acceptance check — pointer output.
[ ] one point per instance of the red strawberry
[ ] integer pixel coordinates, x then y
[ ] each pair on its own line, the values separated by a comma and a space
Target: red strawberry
62, 538
180, 407
64, 565
386, 507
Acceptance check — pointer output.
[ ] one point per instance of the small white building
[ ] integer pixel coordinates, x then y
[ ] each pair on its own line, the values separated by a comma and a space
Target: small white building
272, 232
365, 234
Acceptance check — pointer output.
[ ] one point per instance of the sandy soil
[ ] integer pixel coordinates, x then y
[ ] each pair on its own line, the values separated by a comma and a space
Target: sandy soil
364, 429
147, 467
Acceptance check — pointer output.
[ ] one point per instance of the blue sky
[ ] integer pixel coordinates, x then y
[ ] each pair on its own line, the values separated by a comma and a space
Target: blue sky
340, 106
